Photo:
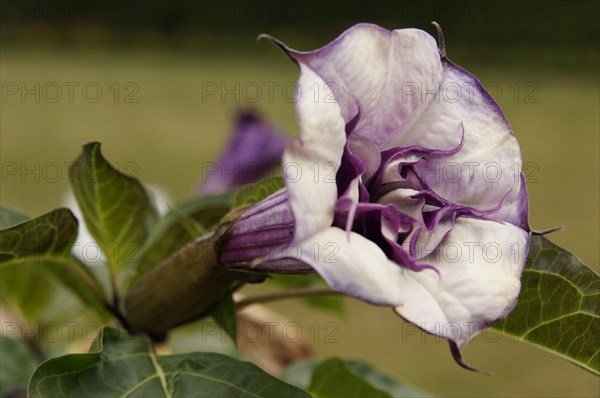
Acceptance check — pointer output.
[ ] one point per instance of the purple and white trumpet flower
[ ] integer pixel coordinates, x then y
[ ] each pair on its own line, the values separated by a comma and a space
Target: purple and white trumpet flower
404, 188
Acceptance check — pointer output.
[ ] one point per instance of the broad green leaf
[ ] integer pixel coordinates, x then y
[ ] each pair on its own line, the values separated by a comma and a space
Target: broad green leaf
16, 367
224, 313
119, 365
254, 193
559, 305
337, 378
22, 286
202, 335
29, 289
115, 207
44, 244
50, 235
10, 217
171, 234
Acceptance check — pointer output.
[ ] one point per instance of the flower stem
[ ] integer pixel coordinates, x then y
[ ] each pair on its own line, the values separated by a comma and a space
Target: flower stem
287, 294
114, 309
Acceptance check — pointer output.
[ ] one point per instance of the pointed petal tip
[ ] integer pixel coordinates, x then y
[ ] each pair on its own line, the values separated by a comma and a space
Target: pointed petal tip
273, 40
548, 231
459, 359
441, 40
266, 36
278, 43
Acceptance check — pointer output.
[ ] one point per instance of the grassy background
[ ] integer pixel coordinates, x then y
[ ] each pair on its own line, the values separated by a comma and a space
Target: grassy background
172, 130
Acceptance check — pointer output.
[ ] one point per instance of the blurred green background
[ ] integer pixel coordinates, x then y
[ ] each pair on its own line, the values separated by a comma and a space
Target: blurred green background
134, 75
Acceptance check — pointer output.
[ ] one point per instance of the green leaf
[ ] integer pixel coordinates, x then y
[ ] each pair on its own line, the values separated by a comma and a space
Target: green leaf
26, 288
299, 374
50, 235
153, 213
22, 286
254, 193
193, 227
37, 297
16, 367
224, 313
10, 217
44, 244
115, 207
559, 305
171, 233
123, 366
332, 378
337, 378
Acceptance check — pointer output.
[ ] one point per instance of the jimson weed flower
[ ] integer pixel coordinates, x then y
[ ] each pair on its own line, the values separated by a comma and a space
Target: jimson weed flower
401, 189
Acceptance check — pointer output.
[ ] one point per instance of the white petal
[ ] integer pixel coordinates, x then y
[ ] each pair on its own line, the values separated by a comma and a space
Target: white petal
410, 96
312, 192
488, 166
356, 266
402, 199
480, 264
310, 165
379, 68
475, 287
322, 128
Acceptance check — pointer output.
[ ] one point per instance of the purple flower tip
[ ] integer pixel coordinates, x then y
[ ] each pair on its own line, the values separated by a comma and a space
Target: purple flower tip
254, 148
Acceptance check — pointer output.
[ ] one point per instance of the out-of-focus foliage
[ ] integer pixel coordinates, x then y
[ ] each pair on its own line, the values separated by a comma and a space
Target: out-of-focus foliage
575, 21
16, 367
43, 244
336, 378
